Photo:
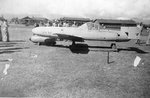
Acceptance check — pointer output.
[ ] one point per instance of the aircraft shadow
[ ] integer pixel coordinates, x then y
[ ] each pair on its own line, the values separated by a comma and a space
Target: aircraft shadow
11, 50
79, 48
84, 49
7, 43
4, 60
10, 43
9, 47
8, 52
132, 49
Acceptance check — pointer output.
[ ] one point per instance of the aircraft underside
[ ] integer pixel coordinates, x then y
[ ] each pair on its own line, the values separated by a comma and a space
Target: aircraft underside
51, 41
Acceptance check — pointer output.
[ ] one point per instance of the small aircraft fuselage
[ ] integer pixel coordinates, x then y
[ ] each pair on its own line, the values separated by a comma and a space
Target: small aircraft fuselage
41, 34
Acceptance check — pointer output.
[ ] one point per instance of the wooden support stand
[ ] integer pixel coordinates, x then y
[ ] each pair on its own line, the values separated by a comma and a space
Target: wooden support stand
108, 57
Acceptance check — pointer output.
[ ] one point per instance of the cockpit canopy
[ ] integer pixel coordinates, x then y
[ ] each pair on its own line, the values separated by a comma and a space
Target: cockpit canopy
91, 26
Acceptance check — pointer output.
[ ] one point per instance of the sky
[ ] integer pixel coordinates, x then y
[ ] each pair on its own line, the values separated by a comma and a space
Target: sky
120, 9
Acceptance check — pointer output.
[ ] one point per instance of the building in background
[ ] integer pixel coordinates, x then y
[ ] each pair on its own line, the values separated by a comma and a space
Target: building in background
15, 20
71, 21
115, 24
26, 20
40, 20
34, 20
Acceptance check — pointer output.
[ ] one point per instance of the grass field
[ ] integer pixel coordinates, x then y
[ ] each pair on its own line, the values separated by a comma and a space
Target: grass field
60, 72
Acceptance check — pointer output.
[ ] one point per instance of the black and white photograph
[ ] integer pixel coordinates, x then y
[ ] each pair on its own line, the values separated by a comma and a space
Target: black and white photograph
75, 48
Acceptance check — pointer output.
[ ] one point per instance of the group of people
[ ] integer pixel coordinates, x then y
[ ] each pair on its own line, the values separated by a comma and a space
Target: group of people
4, 34
57, 24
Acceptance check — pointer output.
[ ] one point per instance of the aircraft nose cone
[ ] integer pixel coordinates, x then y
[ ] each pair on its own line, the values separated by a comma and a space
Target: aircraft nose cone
34, 30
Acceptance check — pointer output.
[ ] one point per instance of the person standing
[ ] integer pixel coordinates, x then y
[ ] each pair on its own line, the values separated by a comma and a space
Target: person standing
74, 24
140, 26
148, 38
36, 25
5, 33
0, 30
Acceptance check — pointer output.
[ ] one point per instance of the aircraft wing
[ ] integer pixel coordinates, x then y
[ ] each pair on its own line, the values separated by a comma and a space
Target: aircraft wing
70, 37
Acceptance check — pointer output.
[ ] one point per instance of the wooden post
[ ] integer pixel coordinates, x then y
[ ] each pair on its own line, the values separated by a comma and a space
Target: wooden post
108, 57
